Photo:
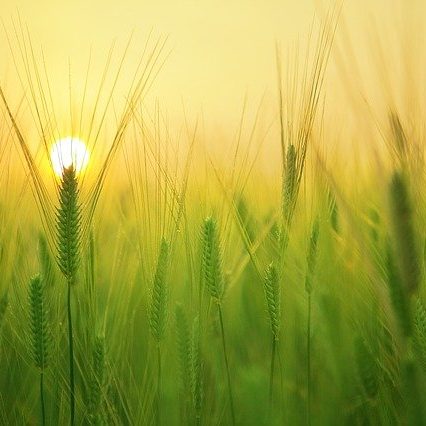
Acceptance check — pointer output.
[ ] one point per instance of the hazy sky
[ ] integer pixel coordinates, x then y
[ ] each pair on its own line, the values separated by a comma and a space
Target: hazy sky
219, 50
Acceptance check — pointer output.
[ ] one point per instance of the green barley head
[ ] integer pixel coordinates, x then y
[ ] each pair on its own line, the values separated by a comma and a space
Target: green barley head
212, 259
68, 225
273, 298
158, 307
39, 326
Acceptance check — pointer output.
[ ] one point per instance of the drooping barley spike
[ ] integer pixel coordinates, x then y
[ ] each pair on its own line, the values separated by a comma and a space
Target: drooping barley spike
68, 225
183, 340
404, 232
196, 371
273, 298
212, 260
311, 257
398, 294
39, 326
158, 307
97, 381
420, 333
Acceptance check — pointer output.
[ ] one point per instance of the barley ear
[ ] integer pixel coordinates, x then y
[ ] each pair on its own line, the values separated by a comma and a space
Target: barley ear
272, 289
158, 307
289, 183
68, 225
212, 260
39, 326
404, 232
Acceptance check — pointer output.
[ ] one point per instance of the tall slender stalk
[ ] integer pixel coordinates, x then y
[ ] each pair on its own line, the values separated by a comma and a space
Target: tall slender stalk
43, 408
213, 275
196, 375
40, 334
158, 311
311, 259
271, 372
308, 361
272, 290
158, 398
71, 355
225, 355
183, 340
68, 246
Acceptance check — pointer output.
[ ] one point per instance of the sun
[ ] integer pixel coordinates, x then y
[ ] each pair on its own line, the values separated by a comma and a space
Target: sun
69, 151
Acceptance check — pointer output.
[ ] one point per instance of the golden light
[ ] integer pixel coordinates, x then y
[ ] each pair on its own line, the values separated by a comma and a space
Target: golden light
69, 151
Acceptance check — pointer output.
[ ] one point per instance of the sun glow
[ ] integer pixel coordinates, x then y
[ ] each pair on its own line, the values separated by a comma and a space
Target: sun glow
69, 151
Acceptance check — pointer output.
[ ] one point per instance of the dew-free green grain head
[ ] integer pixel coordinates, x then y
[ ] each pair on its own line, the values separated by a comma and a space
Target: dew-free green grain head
212, 259
40, 337
405, 239
158, 306
68, 225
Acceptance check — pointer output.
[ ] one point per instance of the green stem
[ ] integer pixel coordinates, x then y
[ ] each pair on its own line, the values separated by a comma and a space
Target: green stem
231, 399
158, 384
309, 360
71, 356
271, 374
43, 411
280, 368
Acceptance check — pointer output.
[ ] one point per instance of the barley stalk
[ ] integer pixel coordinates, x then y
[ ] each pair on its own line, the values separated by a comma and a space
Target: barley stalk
40, 334
290, 189
158, 306
196, 376
183, 340
68, 225
158, 312
212, 261
273, 298
213, 276
68, 256
311, 260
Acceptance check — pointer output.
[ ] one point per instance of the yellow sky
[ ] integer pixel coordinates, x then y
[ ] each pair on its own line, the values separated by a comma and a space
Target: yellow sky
220, 49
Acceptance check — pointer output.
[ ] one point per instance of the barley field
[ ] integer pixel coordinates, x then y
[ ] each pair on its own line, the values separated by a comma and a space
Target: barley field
181, 268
